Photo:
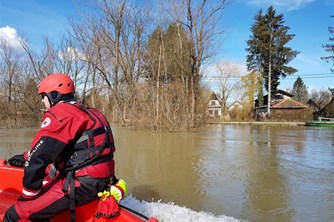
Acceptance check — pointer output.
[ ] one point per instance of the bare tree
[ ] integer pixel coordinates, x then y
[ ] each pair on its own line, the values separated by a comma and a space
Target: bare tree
10, 68
121, 38
201, 20
15, 74
104, 52
71, 60
229, 76
321, 97
42, 63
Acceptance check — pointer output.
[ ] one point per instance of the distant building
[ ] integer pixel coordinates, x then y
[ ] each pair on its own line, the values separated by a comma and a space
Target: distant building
236, 106
315, 107
279, 95
214, 106
283, 107
235, 110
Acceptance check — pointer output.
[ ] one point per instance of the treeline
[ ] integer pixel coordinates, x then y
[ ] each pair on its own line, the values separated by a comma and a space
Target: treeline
138, 65
144, 65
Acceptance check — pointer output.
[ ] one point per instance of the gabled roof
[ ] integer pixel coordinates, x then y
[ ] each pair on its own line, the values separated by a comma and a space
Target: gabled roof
312, 103
214, 97
289, 104
236, 103
284, 93
329, 108
278, 92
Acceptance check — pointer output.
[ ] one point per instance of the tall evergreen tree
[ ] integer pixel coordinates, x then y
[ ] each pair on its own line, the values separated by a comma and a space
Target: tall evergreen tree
299, 90
178, 49
152, 57
329, 47
168, 54
267, 50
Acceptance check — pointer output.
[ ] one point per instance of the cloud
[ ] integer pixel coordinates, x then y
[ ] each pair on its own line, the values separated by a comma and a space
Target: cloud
311, 64
70, 54
286, 4
9, 35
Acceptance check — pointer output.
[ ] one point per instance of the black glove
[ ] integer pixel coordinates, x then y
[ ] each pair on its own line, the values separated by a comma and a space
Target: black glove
17, 160
22, 198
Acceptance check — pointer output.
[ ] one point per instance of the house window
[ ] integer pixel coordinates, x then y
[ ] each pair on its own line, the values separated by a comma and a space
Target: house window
213, 103
210, 112
216, 112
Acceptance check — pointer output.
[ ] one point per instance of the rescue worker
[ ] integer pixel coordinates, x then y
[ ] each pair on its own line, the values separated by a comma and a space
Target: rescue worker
73, 148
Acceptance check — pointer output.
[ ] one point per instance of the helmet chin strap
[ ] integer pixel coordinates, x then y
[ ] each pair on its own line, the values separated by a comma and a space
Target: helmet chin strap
50, 102
53, 101
55, 97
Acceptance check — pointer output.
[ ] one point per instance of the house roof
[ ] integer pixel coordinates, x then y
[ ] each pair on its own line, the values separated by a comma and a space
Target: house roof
284, 93
329, 108
213, 97
236, 103
278, 92
312, 103
288, 104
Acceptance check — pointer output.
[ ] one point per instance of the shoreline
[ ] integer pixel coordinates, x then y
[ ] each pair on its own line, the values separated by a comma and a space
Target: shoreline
260, 123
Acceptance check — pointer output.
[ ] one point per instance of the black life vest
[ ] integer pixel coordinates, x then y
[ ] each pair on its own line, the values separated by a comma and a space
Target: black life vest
87, 149
94, 145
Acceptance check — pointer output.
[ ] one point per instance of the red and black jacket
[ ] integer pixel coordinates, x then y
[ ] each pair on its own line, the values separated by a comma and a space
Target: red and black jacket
73, 138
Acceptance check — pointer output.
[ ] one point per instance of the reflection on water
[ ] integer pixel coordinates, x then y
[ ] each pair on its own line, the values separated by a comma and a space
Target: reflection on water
250, 172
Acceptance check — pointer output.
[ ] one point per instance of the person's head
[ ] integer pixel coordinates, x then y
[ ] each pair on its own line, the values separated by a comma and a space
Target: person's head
56, 87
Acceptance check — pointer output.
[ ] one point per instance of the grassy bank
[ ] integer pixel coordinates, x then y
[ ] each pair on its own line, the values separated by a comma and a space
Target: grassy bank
261, 123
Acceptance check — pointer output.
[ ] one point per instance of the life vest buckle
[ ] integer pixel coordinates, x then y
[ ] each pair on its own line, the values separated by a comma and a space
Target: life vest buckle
74, 155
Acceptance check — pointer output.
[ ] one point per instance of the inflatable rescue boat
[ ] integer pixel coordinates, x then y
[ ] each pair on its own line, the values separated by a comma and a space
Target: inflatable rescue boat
11, 187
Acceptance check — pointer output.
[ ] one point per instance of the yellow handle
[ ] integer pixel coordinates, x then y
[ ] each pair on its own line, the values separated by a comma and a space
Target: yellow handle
104, 195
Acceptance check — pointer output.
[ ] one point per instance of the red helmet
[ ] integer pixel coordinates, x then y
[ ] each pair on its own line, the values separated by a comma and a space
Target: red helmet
57, 82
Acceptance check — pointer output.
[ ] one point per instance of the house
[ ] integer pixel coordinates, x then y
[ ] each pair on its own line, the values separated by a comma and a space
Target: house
313, 105
280, 94
214, 106
283, 107
235, 109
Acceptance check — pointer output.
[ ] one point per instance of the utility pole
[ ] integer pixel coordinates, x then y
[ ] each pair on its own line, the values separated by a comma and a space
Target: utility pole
269, 78
269, 87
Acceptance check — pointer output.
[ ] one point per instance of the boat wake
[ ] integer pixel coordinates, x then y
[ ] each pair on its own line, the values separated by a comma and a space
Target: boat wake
169, 212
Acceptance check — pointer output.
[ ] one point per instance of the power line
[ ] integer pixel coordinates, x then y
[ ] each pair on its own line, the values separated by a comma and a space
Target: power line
312, 74
309, 77
303, 76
